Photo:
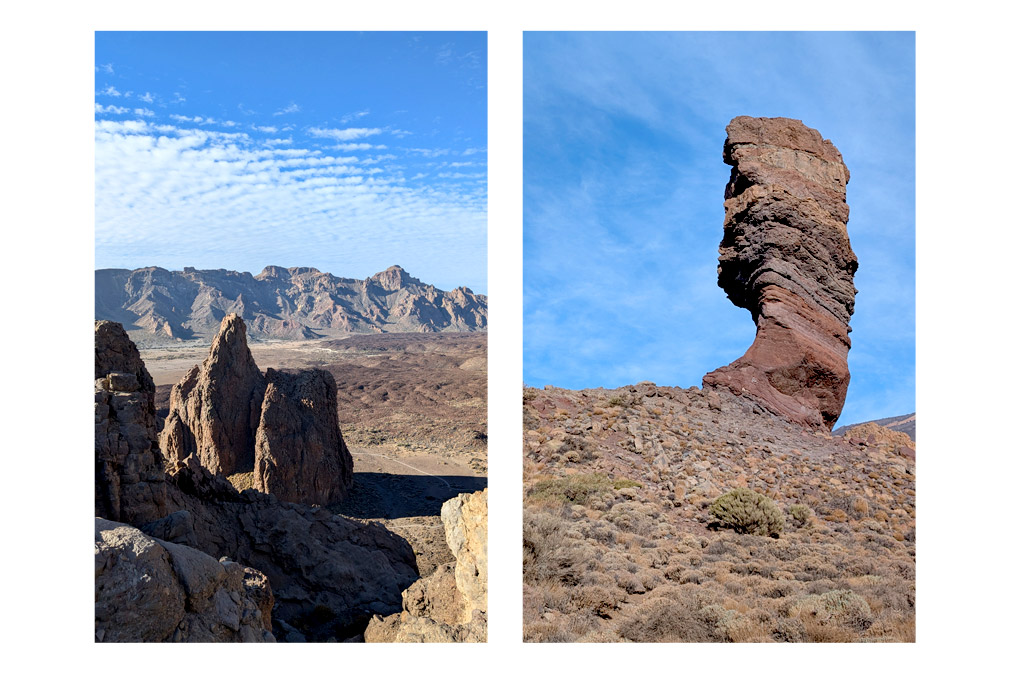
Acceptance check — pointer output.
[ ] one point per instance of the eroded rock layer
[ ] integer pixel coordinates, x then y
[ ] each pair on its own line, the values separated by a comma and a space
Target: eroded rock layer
129, 471
785, 257
214, 410
300, 453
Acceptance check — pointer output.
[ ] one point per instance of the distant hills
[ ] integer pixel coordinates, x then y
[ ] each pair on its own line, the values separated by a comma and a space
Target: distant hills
160, 306
904, 424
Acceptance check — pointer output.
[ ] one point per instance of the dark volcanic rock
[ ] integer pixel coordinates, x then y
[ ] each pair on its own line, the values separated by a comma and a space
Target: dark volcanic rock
214, 410
785, 256
318, 563
129, 471
300, 453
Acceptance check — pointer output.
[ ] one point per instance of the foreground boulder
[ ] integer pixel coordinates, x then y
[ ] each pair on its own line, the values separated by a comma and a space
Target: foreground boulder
300, 454
148, 590
785, 257
129, 471
450, 605
214, 410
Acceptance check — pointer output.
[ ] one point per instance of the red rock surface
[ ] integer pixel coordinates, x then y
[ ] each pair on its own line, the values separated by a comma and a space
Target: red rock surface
785, 256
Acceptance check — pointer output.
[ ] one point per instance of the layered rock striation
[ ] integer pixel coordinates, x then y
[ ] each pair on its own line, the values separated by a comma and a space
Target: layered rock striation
129, 471
283, 427
785, 257
450, 605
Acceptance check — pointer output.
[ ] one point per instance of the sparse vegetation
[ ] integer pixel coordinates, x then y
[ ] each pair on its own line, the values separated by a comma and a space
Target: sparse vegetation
747, 511
604, 562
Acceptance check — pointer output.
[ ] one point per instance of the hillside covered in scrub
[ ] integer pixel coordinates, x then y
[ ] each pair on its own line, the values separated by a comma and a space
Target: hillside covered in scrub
622, 542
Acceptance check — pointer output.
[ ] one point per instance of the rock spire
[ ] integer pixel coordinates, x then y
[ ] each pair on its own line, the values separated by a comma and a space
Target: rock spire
785, 257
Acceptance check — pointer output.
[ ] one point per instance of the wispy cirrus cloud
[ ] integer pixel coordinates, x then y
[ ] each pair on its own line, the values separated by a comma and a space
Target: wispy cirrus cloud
355, 147
343, 134
184, 189
291, 108
351, 116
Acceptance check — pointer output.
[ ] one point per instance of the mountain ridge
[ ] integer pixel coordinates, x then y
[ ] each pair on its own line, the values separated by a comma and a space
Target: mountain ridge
157, 305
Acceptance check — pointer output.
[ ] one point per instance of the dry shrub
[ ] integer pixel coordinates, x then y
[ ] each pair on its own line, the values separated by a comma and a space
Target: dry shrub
747, 511
838, 608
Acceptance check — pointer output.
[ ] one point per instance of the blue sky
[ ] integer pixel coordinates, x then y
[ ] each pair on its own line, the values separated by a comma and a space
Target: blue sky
623, 199
349, 152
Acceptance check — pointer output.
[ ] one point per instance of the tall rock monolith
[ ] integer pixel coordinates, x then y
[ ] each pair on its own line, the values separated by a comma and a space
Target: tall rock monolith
785, 257
215, 409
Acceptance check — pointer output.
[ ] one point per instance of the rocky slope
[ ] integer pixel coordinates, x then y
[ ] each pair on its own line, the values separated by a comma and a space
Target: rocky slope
905, 424
621, 544
161, 306
785, 257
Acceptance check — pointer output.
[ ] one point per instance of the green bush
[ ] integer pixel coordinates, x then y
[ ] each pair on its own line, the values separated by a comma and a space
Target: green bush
745, 511
626, 483
573, 488
801, 513
840, 607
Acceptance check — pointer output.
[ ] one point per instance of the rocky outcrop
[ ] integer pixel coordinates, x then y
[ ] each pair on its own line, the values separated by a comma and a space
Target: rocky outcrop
280, 303
283, 427
450, 605
214, 410
129, 471
300, 453
328, 574
148, 590
785, 257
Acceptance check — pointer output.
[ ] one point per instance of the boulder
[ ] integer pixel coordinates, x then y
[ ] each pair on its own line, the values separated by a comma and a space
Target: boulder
785, 257
148, 590
300, 453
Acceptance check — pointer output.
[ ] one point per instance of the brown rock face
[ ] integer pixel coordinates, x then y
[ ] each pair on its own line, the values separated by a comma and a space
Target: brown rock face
300, 453
785, 257
129, 471
214, 410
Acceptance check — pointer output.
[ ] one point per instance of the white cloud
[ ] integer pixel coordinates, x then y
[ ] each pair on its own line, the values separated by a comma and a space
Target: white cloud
354, 147
109, 90
175, 196
110, 109
106, 68
427, 151
146, 97
343, 134
291, 108
143, 112
264, 129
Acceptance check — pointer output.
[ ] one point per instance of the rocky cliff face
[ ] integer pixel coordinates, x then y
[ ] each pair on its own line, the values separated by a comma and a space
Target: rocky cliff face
785, 257
129, 471
214, 410
158, 305
300, 453
450, 605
